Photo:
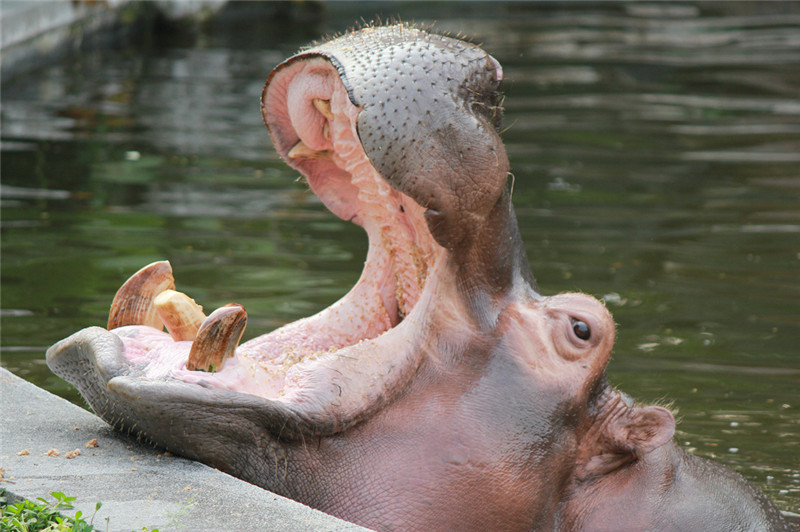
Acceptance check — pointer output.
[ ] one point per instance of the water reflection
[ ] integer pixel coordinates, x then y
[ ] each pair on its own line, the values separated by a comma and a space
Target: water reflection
655, 152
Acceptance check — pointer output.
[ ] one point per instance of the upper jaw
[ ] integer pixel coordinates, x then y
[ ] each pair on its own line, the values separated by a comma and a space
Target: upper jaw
419, 114
315, 127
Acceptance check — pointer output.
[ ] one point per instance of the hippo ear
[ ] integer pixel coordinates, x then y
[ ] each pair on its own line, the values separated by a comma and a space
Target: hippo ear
627, 438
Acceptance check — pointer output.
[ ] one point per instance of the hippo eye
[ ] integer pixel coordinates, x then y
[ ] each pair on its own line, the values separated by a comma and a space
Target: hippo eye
580, 329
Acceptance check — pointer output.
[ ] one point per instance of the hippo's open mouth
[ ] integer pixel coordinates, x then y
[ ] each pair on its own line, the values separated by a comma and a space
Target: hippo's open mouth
412, 185
413, 160
404, 145
310, 107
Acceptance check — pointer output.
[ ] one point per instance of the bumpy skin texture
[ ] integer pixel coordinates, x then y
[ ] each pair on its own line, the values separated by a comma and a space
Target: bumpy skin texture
428, 113
501, 416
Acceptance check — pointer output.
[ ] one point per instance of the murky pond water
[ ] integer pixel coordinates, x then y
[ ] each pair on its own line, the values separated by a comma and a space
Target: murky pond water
656, 151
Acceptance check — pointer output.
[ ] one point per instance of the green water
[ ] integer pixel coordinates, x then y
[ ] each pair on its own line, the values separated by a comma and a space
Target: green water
656, 151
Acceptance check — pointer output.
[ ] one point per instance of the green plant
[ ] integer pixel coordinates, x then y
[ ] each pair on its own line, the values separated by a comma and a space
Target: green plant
43, 516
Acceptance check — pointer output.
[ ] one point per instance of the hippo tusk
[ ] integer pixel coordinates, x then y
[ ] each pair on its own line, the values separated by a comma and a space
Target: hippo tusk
180, 314
133, 302
301, 151
324, 107
217, 338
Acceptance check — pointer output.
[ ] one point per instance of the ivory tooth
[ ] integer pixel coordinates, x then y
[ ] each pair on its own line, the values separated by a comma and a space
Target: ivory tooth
324, 107
133, 302
326, 130
180, 314
301, 151
218, 338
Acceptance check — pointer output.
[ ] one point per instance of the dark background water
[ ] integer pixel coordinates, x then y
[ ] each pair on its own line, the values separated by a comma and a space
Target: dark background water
656, 149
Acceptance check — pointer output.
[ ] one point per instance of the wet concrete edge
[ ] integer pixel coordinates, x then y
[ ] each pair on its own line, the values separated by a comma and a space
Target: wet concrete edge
43, 32
138, 486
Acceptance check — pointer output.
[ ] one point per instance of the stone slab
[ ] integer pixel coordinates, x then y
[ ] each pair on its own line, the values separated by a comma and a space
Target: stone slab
138, 486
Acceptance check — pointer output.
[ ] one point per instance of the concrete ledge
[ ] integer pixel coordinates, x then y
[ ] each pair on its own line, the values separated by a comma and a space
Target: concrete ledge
34, 33
137, 485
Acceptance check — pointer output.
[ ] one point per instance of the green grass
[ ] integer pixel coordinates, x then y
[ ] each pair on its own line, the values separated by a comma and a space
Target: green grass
42, 516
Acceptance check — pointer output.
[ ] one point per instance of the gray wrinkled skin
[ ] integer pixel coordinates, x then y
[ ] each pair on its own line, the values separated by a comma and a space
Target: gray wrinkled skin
424, 98
489, 428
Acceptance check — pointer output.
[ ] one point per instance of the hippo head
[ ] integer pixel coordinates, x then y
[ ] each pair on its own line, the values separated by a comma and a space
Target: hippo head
443, 391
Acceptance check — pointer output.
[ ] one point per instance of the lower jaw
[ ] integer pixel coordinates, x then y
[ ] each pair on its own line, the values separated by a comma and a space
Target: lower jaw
269, 366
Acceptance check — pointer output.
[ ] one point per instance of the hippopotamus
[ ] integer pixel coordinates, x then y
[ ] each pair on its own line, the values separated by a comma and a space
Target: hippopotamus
444, 391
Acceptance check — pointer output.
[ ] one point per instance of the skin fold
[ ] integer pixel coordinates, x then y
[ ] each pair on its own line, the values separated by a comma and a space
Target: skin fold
444, 391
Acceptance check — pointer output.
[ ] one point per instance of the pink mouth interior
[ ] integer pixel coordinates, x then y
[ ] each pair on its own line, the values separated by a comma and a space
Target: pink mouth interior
401, 258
